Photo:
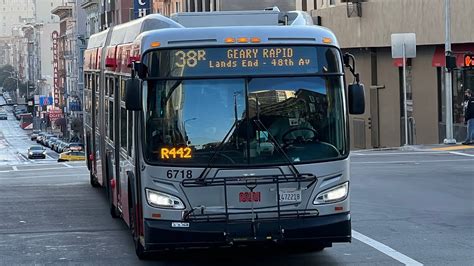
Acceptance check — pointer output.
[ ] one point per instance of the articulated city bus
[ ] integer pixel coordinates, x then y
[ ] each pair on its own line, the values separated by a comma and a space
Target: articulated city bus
227, 128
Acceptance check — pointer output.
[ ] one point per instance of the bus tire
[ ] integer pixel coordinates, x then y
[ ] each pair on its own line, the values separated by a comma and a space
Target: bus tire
93, 180
139, 249
114, 212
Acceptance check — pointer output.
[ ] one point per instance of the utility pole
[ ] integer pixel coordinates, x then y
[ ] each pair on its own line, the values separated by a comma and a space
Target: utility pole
448, 77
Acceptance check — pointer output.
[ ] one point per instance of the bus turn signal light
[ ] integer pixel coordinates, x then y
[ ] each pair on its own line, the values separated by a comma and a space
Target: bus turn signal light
327, 40
155, 44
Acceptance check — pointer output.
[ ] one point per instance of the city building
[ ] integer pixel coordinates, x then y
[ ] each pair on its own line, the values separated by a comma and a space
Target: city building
364, 29
114, 12
168, 7
68, 88
45, 24
15, 13
92, 10
27, 27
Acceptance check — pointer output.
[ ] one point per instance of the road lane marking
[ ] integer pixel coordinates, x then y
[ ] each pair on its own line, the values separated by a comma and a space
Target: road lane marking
462, 154
40, 169
14, 168
413, 161
69, 166
400, 153
76, 176
385, 249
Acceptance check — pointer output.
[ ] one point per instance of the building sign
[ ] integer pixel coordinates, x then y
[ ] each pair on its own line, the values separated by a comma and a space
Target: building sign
141, 8
55, 115
56, 92
469, 60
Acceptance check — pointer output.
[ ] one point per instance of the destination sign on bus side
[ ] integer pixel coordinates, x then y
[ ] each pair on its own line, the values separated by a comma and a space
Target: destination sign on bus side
239, 61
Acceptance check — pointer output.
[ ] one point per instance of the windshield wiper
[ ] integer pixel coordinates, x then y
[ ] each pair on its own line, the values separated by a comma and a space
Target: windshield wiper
206, 171
259, 123
175, 85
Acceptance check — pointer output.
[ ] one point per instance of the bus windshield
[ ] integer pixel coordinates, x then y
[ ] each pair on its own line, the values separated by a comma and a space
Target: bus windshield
244, 121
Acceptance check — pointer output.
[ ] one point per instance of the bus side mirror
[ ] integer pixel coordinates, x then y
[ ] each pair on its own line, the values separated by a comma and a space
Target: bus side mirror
133, 95
356, 99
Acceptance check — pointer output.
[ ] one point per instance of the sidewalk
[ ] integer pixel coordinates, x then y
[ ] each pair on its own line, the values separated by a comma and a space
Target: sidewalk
444, 147
425, 147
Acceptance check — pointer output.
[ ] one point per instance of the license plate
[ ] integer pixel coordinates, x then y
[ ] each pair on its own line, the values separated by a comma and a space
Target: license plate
290, 196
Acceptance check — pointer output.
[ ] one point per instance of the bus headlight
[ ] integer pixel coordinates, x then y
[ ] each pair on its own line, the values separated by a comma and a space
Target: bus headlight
163, 200
333, 194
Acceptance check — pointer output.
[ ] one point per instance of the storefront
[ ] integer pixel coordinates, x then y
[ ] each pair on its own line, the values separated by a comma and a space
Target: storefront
463, 78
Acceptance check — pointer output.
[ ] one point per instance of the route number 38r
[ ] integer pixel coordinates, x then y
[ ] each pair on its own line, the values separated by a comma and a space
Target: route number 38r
189, 58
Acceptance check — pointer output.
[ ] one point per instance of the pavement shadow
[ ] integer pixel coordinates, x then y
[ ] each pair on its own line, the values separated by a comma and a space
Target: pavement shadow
242, 256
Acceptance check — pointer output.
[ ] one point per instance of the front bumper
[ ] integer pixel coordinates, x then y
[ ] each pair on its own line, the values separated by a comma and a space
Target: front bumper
321, 229
36, 156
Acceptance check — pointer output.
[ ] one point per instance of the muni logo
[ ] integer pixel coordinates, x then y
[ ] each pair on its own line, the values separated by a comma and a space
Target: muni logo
250, 196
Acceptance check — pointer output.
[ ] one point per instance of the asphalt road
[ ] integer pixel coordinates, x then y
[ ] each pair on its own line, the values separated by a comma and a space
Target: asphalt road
15, 141
407, 207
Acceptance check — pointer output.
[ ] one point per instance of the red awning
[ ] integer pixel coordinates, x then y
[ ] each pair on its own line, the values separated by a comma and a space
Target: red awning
459, 50
398, 62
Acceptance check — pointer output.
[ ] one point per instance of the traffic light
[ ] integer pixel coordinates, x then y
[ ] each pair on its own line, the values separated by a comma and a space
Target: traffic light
469, 60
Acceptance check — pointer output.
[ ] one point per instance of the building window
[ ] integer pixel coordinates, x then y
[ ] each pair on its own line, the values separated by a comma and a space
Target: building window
177, 7
332, 2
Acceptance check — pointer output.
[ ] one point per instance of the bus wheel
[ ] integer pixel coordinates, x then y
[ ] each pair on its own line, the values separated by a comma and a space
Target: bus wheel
114, 212
93, 180
139, 249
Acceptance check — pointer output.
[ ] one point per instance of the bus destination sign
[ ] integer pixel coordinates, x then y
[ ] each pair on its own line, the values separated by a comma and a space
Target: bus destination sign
239, 61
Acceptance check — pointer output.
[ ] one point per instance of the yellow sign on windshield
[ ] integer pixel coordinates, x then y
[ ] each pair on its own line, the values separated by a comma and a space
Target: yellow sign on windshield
175, 153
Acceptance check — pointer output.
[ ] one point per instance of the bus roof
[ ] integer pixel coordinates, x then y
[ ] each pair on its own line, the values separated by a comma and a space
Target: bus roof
242, 18
215, 36
127, 32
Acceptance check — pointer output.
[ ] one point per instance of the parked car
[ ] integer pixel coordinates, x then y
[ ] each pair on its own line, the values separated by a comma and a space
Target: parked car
74, 146
60, 146
46, 139
3, 116
51, 142
34, 134
72, 156
40, 137
17, 113
36, 152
